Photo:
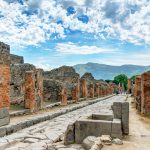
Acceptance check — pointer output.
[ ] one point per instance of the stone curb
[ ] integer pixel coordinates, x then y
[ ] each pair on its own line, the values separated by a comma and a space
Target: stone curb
9, 129
27, 111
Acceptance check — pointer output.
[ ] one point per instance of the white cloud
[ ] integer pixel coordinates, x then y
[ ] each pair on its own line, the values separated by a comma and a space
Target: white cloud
127, 20
70, 48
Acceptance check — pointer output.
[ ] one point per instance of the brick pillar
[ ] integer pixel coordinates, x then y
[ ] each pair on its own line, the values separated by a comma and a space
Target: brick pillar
4, 75
97, 90
76, 92
30, 90
145, 86
138, 92
129, 86
100, 91
39, 89
64, 97
91, 92
84, 88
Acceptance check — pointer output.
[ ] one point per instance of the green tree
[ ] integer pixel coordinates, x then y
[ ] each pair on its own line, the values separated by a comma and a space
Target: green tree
133, 77
121, 79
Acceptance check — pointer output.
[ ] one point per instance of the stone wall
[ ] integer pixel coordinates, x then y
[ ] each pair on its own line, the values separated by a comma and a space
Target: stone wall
17, 84
145, 90
52, 90
66, 77
90, 85
15, 59
141, 92
137, 92
4, 75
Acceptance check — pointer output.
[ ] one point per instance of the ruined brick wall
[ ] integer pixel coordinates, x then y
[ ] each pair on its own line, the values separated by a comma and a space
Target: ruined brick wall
4, 75
76, 91
90, 85
145, 96
29, 90
83, 88
129, 86
15, 59
17, 84
65, 75
52, 90
39, 89
97, 89
138, 92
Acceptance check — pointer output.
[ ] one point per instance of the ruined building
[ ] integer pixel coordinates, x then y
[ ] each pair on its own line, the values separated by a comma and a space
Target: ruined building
61, 82
24, 85
141, 92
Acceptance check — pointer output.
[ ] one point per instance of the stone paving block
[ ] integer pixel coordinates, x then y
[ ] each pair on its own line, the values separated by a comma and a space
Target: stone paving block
108, 117
125, 117
117, 107
2, 131
116, 129
4, 121
4, 113
70, 134
84, 128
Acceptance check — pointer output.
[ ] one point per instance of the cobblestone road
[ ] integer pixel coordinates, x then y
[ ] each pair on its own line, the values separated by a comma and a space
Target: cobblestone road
39, 136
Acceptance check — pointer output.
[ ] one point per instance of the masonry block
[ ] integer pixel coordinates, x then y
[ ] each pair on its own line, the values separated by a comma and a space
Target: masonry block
64, 97
125, 117
116, 129
117, 110
4, 117
84, 128
30, 90
4, 75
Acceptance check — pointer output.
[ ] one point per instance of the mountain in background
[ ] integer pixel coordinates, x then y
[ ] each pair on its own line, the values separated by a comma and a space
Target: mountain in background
102, 71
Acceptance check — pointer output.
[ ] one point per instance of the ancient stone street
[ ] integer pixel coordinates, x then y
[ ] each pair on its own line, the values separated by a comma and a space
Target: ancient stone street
41, 136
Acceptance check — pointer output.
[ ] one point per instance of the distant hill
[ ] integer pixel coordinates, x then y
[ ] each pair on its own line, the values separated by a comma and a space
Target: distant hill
102, 71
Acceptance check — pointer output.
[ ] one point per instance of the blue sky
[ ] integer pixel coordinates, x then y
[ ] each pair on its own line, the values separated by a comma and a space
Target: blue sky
52, 33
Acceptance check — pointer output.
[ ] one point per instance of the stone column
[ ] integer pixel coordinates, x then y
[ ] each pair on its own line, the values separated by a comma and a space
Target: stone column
129, 86
145, 86
4, 75
97, 90
76, 92
64, 97
138, 92
84, 88
30, 90
39, 89
91, 92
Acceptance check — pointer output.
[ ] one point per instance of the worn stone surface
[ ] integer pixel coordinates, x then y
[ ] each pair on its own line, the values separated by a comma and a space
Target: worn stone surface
107, 116
69, 137
116, 129
85, 127
17, 92
58, 125
52, 90
65, 75
125, 117
117, 110
15, 59
88, 142
106, 139
117, 141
